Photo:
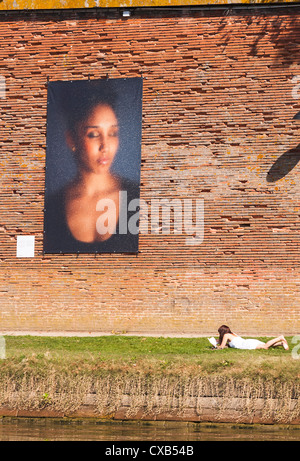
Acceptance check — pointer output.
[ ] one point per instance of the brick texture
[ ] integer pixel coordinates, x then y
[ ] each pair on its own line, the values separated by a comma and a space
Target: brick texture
218, 124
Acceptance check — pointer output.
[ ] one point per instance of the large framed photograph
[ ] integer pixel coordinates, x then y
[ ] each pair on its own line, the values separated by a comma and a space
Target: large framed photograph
93, 159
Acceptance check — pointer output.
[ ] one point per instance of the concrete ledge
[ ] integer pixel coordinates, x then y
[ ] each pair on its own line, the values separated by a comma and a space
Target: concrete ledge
205, 409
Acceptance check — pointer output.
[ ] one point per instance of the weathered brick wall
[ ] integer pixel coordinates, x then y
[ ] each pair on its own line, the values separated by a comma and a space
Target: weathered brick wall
217, 116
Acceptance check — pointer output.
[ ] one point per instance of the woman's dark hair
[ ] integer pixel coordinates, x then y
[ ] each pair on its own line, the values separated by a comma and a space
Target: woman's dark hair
222, 331
78, 101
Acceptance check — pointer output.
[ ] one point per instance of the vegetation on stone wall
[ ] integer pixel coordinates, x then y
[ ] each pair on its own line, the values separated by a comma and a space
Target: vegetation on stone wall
152, 374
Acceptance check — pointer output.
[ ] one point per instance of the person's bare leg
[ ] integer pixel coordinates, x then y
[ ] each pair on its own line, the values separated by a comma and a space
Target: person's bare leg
285, 344
279, 341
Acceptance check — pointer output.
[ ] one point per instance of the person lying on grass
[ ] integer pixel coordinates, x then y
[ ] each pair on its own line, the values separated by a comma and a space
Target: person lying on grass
226, 336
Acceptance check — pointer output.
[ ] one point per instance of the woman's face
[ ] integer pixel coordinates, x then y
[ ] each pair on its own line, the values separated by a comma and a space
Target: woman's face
97, 139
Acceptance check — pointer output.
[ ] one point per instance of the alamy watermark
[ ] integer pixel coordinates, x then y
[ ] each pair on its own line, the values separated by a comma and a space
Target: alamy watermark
296, 339
2, 348
2, 87
296, 349
161, 216
296, 88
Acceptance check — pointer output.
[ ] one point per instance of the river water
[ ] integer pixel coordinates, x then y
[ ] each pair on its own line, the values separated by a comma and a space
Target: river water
45, 429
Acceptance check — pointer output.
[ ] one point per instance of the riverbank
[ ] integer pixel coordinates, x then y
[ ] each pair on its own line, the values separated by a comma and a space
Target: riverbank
146, 378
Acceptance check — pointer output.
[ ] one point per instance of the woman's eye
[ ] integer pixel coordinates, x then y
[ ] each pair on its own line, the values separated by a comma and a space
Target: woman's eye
93, 134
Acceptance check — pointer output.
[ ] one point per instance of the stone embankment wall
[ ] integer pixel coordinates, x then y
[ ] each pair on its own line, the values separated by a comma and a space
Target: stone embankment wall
204, 409
220, 94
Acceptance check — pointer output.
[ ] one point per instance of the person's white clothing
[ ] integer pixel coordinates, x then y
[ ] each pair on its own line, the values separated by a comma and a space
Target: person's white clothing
240, 343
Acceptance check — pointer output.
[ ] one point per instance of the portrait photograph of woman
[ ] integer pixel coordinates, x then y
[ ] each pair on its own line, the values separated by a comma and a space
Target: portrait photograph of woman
93, 159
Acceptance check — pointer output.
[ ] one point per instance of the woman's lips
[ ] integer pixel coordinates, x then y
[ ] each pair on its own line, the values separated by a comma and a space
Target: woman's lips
103, 161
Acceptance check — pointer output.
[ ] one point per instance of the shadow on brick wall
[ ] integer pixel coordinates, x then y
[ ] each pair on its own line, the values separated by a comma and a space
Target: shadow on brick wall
284, 164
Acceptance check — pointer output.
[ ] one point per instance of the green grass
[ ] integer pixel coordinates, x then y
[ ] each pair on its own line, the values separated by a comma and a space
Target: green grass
137, 354
58, 372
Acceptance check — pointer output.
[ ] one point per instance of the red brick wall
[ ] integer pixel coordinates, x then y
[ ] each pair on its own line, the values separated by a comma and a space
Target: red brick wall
217, 115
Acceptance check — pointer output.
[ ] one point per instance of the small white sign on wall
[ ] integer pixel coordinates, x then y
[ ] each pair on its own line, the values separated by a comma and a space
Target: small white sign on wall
25, 246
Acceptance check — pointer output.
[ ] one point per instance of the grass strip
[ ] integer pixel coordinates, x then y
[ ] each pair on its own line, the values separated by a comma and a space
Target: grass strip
58, 372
